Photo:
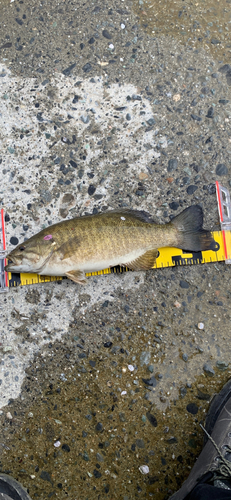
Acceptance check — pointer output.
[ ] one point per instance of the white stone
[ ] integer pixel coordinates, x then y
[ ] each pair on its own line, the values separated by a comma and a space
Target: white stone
144, 469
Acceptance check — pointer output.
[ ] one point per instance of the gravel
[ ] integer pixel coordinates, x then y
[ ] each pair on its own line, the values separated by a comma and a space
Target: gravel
106, 114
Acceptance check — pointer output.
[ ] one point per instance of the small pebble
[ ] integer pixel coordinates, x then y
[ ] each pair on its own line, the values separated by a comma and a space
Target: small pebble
172, 165
87, 67
122, 26
174, 205
145, 358
106, 34
65, 447
143, 176
150, 381
151, 122
210, 113
192, 408
152, 419
191, 189
9, 416
57, 444
222, 365
172, 440
144, 469
14, 240
107, 344
30, 414
208, 370
215, 41
176, 97
184, 284
225, 69
85, 119
195, 117
183, 392
200, 326
221, 169
131, 368
91, 189
99, 427
211, 188
99, 457
7, 348
68, 70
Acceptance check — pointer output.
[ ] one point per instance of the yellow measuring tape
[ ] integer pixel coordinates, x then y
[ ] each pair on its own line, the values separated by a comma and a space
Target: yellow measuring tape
168, 257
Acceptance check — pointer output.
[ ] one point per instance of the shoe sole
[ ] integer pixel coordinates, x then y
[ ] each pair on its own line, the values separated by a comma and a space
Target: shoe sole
218, 402
9, 486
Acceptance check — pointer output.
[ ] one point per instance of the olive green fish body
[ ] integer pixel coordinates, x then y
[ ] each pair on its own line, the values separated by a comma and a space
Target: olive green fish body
91, 243
103, 241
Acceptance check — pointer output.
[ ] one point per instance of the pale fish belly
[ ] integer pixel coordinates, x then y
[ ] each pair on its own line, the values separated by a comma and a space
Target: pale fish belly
62, 267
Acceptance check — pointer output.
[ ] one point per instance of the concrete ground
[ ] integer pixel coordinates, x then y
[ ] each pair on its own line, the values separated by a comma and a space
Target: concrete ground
112, 105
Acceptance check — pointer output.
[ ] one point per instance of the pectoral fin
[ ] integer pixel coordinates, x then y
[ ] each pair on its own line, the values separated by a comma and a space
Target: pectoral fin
66, 250
145, 262
76, 276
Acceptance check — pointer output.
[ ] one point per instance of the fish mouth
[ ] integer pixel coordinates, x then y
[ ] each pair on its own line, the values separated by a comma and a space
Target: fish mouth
12, 262
10, 266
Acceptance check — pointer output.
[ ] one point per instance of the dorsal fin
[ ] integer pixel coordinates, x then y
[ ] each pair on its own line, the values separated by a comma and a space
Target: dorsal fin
140, 215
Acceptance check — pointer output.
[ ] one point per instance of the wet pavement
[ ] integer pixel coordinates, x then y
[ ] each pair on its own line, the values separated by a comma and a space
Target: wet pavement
113, 105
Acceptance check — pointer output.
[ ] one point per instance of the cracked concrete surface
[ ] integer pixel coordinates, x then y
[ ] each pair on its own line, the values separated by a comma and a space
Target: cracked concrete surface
106, 106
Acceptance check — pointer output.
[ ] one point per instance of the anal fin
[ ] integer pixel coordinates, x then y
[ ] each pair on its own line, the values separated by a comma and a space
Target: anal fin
76, 276
144, 262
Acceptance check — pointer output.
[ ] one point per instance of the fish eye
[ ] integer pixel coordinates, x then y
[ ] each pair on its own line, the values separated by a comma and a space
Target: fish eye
21, 249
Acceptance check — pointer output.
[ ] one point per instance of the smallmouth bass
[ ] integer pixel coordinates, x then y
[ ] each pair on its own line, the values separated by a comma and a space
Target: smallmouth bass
94, 242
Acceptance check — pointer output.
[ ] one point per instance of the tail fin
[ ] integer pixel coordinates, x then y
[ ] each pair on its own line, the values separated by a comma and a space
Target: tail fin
191, 235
